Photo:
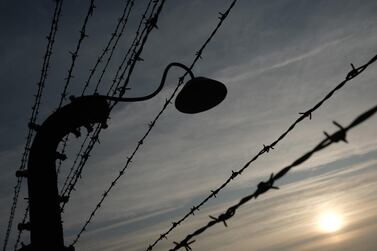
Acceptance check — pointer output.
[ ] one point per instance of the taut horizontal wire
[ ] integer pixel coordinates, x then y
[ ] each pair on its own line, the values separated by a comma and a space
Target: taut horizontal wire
266, 186
266, 148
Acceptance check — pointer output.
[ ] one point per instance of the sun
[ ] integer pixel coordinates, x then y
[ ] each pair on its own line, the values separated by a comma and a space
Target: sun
330, 222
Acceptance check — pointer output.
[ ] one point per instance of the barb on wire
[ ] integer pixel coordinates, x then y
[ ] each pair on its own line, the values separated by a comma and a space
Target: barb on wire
222, 18
352, 74
265, 186
137, 50
125, 21
150, 24
116, 34
68, 180
77, 170
20, 230
35, 111
68, 187
75, 53
148, 29
136, 42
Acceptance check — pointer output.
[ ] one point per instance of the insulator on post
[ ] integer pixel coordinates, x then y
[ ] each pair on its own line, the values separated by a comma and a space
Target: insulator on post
104, 125
24, 226
76, 132
63, 199
33, 126
70, 248
89, 128
22, 173
60, 156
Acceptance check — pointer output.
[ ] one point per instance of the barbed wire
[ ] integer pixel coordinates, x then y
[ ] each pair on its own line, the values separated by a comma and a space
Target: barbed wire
150, 25
77, 170
75, 54
113, 48
32, 126
23, 222
69, 187
265, 186
71, 171
114, 35
131, 51
266, 148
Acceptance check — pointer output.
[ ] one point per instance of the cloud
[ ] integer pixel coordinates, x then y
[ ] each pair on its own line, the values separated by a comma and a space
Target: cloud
277, 59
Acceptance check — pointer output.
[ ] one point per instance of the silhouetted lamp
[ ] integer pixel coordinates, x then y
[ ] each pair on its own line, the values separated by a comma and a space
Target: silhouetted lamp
199, 94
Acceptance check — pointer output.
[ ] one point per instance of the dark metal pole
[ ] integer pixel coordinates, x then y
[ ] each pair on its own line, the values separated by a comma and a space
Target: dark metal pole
46, 230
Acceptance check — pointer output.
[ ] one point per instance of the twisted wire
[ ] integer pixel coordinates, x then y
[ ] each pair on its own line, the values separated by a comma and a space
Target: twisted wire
24, 219
114, 35
266, 148
268, 185
150, 25
113, 48
35, 111
68, 179
69, 187
77, 170
75, 54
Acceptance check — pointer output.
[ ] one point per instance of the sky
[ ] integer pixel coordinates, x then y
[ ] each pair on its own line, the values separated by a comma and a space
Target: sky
276, 58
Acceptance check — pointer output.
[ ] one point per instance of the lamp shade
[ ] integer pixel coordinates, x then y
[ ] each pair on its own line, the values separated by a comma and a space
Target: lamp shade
200, 94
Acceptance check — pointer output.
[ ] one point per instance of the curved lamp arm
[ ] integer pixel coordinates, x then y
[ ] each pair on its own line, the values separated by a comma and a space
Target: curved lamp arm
135, 99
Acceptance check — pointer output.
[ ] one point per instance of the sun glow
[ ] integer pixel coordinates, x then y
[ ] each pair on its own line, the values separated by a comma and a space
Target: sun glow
330, 222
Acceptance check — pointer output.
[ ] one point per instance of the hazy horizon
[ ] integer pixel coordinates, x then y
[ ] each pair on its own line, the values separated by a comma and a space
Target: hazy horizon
276, 58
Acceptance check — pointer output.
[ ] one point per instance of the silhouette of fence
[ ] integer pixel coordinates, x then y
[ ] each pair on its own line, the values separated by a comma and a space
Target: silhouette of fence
32, 126
119, 87
114, 35
266, 148
265, 186
122, 20
75, 54
132, 60
198, 55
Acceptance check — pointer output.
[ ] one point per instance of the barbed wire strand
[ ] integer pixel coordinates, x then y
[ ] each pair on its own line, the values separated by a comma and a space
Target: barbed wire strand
131, 51
24, 219
77, 170
95, 135
75, 54
151, 24
32, 126
266, 148
113, 48
71, 171
96, 132
265, 186
114, 35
